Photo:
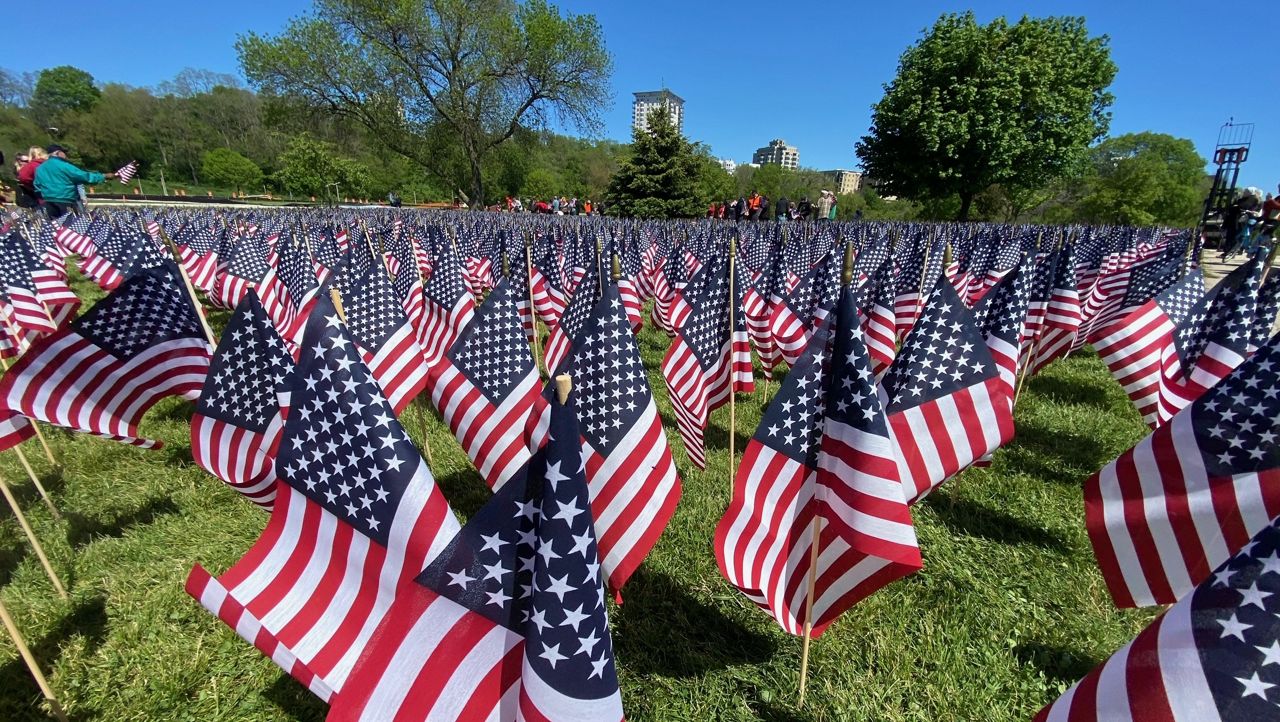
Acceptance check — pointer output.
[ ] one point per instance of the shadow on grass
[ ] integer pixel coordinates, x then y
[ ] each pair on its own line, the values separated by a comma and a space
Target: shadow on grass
465, 490
178, 455
964, 516
10, 557
28, 495
295, 700
21, 699
83, 529
182, 411
662, 629
1055, 454
1069, 391
1057, 663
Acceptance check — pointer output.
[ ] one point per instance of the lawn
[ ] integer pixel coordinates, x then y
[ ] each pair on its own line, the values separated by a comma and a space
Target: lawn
1008, 611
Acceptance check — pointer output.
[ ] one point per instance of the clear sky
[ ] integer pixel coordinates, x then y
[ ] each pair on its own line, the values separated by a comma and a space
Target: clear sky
750, 71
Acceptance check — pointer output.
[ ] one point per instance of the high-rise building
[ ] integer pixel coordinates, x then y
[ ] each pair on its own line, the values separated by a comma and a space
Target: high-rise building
651, 100
728, 165
846, 181
778, 153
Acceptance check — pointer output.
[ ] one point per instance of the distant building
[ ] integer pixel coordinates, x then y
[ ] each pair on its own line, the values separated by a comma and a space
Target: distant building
846, 181
728, 165
778, 153
650, 101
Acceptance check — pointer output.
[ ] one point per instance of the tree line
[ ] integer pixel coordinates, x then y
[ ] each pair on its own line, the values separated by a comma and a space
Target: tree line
443, 100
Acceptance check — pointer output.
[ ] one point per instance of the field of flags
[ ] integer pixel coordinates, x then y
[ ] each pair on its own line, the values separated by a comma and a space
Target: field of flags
890, 357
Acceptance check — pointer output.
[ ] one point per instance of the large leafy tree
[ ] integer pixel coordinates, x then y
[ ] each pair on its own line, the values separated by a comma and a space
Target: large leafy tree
61, 89
1144, 179
976, 105
481, 69
309, 165
227, 168
660, 179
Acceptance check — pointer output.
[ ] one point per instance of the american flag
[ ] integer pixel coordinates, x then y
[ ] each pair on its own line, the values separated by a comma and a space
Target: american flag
1264, 318
198, 250
792, 320
915, 259
560, 343
34, 298
947, 404
124, 251
127, 172
1220, 344
669, 282
1141, 342
247, 264
1122, 291
357, 516
1188, 496
407, 283
240, 415
103, 372
509, 621
325, 253
878, 320
1061, 317
377, 323
632, 475
708, 361
1001, 317
1215, 655
487, 388
450, 308
14, 429
289, 290
822, 453
549, 296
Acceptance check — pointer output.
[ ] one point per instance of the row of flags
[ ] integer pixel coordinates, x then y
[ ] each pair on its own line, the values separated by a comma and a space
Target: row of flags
906, 346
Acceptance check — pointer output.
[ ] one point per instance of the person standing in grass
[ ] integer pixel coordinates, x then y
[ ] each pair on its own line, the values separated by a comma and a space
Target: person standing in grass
58, 182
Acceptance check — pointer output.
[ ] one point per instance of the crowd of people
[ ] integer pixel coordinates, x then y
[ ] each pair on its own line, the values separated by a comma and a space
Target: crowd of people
47, 181
557, 206
1249, 222
757, 207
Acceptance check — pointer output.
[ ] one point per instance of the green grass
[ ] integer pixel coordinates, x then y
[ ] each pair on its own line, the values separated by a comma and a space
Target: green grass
1008, 611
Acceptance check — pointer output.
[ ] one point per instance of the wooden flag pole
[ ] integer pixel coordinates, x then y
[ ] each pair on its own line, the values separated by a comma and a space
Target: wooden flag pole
31, 474
564, 384
31, 537
533, 313
733, 381
812, 587
191, 290
48, 452
32, 665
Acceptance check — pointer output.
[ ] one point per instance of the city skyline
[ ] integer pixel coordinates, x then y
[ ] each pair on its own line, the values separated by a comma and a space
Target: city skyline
817, 94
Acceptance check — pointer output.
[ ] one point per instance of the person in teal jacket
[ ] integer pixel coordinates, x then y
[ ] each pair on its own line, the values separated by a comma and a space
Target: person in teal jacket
58, 180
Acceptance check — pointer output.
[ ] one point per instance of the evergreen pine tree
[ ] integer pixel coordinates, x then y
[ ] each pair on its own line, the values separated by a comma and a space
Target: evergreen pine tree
659, 180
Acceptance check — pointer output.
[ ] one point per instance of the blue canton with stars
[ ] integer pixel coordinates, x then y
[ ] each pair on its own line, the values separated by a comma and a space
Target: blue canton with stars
1228, 315
580, 307
342, 446
146, 310
130, 250
1264, 318
610, 381
707, 329
17, 263
249, 370
1003, 310
493, 351
444, 286
527, 560
792, 423
1235, 617
249, 259
294, 270
943, 353
373, 312
1237, 422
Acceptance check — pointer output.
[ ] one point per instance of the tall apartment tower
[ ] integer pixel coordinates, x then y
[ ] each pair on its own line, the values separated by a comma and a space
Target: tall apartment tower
651, 100
778, 153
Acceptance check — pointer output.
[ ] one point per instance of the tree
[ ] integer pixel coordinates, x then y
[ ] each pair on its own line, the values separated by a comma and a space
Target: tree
659, 180
308, 166
972, 106
16, 89
61, 89
1144, 179
113, 131
227, 168
482, 69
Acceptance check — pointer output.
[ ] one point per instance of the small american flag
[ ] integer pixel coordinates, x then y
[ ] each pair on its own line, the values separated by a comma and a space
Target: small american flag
246, 266
35, 298
103, 372
1215, 655
239, 418
509, 622
822, 452
560, 343
1188, 496
127, 172
450, 308
356, 507
709, 360
947, 404
487, 388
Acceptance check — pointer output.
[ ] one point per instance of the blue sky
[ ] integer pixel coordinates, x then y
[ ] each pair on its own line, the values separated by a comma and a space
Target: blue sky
750, 71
